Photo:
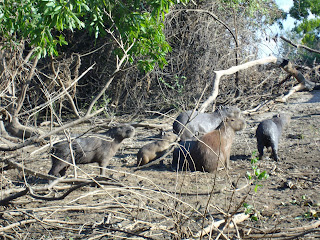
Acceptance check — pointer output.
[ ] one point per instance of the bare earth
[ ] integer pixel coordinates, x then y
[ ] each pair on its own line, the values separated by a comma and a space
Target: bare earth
158, 203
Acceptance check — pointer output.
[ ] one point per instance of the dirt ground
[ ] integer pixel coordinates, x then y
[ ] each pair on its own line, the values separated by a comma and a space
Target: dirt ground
158, 203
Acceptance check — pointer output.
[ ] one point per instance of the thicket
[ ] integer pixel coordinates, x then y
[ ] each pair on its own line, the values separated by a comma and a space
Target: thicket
200, 42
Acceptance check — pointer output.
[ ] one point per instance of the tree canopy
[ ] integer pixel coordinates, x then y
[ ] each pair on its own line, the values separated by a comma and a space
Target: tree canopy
138, 25
307, 14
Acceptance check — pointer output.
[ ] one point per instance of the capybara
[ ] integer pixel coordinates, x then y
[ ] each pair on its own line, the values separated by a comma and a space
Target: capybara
155, 149
202, 122
269, 132
89, 150
182, 156
211, 150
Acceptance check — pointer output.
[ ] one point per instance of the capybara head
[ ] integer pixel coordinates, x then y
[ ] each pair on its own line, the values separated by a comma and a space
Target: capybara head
121, 132
236, 124
284, 118
169, 136
229, 111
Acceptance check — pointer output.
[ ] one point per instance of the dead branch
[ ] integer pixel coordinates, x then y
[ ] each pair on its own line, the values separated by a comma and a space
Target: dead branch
80, 183
214, 225
25, 87
283, 63
27, 170
303, 83
36, 139
13, 126
63, 196
17, 224
299, 45
289, 68
257, 108
289, 232
7, 200
219, 74
151, 126
74, 108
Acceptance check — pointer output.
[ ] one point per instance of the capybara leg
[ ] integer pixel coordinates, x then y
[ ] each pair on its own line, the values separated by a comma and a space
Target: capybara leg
142, 161
63, 171
57, 169
228, 163
275, 154
260, 150
103, 166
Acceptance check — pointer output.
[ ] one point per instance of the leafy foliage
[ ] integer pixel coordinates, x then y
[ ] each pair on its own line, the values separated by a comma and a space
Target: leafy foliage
136, 23
257, 175
307, 12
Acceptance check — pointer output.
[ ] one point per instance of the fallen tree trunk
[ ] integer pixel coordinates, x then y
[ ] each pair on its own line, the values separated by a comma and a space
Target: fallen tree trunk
283, 63
219, 74
303, 83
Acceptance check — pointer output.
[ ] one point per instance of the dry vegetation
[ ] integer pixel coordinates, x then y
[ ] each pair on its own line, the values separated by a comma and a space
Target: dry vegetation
158, 203
56, 97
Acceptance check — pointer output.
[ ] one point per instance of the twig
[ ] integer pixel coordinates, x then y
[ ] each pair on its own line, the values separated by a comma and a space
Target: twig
287, 232
27, 170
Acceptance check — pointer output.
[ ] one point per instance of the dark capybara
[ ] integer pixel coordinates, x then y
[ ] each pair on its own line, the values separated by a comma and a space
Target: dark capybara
269, 132
211, 150
182, 156
155, 149
89, 150
202, 122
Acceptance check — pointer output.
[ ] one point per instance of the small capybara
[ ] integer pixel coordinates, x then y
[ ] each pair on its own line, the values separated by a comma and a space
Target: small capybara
211, 150
202, 122
89, 150
155, 149
269, 132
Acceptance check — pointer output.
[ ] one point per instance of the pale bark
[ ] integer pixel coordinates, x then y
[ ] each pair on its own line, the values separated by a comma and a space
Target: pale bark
283, 63
214, 225
232, 70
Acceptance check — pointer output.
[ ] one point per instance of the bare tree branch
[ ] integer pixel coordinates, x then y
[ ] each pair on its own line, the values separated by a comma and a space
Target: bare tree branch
299, 45
232, 70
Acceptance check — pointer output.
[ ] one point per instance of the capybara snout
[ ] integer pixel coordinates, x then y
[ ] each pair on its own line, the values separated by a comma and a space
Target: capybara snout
121, 132
237, 124
89, 150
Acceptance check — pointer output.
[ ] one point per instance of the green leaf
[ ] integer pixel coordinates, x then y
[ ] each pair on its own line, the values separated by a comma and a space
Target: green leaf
50, 4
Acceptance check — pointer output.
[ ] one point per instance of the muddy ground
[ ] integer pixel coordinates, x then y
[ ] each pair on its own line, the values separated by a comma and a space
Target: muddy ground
158, 203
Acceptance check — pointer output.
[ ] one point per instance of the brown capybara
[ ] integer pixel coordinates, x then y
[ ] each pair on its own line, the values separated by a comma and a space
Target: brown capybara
269, 132
155, 149
89, 150
211, 150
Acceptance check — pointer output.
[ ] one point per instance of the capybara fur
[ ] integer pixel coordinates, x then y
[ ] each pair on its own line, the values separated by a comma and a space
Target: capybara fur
155, 149
202, 122
89, 150
269, 133
212, 149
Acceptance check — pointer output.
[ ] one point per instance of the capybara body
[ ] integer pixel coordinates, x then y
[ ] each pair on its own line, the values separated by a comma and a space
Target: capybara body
268, 134
89, 150
155, 149
182, 156
202, 122
211, 150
